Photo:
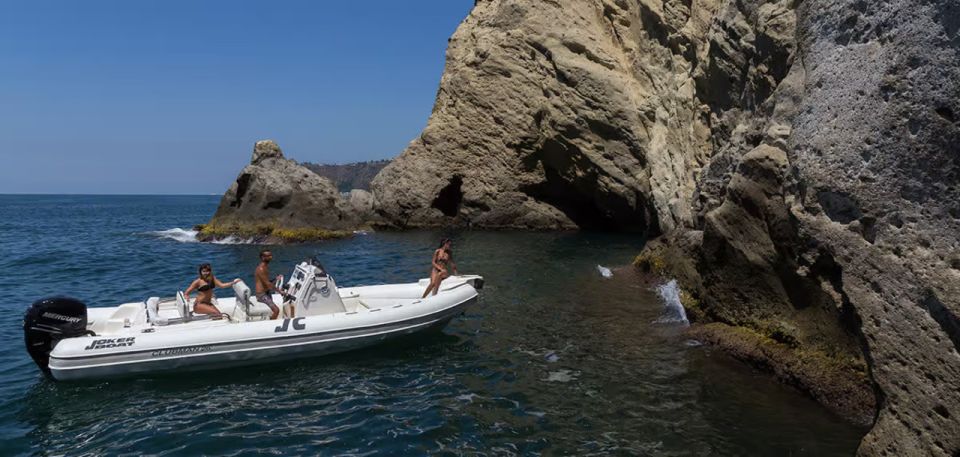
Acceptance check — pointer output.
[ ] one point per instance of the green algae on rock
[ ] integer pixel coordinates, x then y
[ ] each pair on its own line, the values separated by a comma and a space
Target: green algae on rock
267, 233
838, 381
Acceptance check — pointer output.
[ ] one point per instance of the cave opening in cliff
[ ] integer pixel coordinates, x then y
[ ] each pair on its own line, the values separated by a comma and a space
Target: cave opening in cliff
278, 203
583, 208
243, 185
578, 195
449, 198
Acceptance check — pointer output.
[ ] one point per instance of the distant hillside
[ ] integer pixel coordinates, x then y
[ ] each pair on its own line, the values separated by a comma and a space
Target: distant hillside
351, 175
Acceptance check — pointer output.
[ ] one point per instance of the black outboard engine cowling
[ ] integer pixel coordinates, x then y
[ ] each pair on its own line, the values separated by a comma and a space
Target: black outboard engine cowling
50, 320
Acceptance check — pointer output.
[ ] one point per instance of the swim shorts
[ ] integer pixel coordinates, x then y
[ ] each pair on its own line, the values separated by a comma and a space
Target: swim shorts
267, 299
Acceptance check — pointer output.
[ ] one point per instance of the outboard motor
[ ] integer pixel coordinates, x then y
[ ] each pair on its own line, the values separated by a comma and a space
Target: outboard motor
50, 320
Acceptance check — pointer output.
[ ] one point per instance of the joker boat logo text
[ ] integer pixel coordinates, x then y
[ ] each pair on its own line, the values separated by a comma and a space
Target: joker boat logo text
110, 343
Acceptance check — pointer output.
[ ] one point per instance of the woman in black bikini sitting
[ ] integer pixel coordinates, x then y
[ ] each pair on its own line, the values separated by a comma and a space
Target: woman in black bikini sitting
204, 286
441, 258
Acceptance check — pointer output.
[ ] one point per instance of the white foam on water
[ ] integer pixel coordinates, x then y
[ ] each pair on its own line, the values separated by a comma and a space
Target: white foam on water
673, 312
176, 234
604, 271
468, 398
190, 236
561, 376
234, 240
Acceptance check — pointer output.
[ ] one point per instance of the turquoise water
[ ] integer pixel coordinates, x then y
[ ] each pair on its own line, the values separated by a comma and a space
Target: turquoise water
554, 359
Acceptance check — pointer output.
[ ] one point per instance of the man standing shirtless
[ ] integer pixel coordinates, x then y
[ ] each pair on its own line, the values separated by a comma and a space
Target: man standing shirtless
265, 286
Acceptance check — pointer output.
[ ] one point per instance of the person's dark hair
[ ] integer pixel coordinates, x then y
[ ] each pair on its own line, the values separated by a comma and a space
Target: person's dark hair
202, 267
444, 241
263, 252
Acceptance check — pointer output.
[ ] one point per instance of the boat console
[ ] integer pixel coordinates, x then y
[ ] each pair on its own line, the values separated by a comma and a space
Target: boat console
314, 290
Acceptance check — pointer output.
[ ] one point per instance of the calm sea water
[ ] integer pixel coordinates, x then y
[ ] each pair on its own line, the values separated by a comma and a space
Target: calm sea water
554, 360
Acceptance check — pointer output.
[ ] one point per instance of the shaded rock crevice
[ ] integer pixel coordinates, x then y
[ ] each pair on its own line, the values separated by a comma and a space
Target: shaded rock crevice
242, 186
943, 316
449, 198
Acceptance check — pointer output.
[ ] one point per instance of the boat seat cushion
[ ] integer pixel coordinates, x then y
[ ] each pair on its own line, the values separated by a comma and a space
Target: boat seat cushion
123, 316
182, 305
248, 304
153, 312
259, 309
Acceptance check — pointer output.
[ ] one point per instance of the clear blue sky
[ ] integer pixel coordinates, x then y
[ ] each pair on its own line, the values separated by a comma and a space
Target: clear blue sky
169, 96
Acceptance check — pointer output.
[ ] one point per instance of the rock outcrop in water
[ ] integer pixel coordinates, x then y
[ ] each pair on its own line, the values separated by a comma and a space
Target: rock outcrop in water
277, 198
799, 159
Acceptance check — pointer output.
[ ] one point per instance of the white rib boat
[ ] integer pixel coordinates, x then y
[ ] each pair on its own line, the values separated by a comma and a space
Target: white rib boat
70, 342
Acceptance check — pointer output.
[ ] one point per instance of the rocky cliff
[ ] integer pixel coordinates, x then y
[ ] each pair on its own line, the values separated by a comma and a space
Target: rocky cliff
800, 160
560, 115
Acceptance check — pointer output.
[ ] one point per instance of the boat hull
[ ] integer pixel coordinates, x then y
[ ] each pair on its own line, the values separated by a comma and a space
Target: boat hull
249, 344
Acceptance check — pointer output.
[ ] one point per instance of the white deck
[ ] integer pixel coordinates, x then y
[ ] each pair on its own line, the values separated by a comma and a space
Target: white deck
132, 317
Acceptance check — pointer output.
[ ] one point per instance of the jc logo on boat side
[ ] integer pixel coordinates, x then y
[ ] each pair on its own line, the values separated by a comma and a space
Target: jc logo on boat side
297, 325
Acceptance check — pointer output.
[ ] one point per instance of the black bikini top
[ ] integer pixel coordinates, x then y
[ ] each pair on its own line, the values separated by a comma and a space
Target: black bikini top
205, 287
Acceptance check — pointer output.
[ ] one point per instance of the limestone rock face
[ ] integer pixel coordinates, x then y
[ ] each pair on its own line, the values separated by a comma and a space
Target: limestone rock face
265, 149
277, 190
555, 115
840, 226
362, 203
875, 149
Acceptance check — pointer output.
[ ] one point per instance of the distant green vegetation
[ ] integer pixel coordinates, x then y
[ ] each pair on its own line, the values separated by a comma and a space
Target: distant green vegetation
349, 176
